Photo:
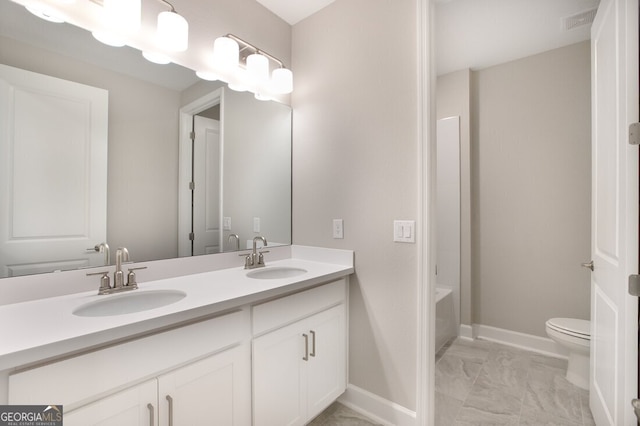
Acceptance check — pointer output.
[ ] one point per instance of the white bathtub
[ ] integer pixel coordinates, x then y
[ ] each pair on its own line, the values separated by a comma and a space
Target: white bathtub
445, 319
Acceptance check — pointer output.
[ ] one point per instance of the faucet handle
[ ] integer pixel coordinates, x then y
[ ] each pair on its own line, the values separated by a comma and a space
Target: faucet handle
131, 277
105, 284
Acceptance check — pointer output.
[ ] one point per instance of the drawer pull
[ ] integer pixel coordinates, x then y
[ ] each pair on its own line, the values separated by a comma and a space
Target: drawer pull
306, 348
151, 419
170, 409
313, 343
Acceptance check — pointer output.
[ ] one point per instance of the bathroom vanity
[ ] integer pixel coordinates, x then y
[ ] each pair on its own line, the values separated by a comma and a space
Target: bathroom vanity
234, 347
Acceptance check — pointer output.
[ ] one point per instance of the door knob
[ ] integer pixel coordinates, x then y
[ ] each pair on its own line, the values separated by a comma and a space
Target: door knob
588, 265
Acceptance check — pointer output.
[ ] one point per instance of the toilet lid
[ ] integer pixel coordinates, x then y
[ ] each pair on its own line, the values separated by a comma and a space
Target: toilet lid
571, 326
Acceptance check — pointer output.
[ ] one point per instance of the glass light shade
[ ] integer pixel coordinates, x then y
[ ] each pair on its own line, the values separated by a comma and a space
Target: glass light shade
207, 75
119, 18
258, 70
172, 32
226, 54
156, 58
122, 15
282, 81
45, 12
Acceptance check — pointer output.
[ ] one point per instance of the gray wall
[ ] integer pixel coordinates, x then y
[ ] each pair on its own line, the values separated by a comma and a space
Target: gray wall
355, 157
531, 174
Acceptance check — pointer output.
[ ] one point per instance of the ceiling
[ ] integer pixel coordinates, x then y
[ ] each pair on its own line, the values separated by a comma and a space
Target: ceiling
480, 33
477, 34
294, 11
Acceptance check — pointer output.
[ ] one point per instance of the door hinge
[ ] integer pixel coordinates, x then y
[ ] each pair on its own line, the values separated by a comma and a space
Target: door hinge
634, 285
192, 236
192, 185
634, 134
192, 136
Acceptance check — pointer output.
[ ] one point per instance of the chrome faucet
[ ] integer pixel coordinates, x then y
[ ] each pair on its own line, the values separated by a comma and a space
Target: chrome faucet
255, 259
102, 248
237, 240
122, 255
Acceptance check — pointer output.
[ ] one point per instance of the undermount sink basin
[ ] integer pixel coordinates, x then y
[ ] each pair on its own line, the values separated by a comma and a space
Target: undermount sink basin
276, 272
130, 302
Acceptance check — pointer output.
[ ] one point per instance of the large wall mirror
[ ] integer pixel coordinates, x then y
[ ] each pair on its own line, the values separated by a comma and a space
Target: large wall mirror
241, 166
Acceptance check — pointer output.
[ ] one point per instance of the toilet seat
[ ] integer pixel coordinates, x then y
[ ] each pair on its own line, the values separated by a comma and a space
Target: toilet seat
571, 326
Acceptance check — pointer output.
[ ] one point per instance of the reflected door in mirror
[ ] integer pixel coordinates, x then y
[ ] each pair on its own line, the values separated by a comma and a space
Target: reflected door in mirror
207, 203
53, 176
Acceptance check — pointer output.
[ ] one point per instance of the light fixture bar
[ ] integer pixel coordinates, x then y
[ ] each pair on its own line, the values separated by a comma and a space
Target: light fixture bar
245, 44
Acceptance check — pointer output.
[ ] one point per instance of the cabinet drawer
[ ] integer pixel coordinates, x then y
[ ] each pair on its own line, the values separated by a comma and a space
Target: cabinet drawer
276, 313
83, 378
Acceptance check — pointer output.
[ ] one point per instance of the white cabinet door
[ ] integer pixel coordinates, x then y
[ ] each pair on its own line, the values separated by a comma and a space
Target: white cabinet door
326, 377
300, 369
277, 377
213, 391
136, 406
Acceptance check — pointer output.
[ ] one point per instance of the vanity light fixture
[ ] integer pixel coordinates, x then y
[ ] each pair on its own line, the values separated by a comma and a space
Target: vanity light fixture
242, 71
119, 18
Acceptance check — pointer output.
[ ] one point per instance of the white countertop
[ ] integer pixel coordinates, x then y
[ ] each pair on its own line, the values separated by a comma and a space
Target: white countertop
39, 330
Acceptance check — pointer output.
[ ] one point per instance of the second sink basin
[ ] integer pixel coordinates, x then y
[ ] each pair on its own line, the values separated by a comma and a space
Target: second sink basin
130, 302
276, 272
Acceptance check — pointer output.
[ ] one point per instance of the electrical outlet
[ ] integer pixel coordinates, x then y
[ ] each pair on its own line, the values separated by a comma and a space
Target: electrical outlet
226, 223
338, 228
256, 224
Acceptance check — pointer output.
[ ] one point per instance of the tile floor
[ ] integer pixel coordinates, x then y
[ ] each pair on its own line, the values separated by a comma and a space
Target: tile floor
339, 415
485, 383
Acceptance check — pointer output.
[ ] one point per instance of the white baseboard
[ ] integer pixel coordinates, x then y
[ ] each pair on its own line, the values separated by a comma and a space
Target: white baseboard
377, 408
529, 342
466, 332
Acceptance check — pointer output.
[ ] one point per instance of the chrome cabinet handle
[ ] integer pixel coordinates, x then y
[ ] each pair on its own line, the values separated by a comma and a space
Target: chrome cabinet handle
313, 343
151, 419
170, 410
306, 348
588, 265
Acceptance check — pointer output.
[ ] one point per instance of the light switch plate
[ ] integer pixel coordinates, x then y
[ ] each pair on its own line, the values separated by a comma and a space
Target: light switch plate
338, 228
256, 224
404, 231
226, 223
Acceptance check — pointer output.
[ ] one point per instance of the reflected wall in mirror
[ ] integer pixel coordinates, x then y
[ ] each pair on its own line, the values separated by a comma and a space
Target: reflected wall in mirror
144, 102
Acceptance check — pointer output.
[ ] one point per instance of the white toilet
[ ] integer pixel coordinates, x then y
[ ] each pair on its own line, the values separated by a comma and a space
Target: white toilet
575, 336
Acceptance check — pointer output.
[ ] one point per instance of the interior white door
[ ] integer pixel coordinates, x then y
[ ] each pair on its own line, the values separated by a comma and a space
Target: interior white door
614, 245
207, 193
53, 172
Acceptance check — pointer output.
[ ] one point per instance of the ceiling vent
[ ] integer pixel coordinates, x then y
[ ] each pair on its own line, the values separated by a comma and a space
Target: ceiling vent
579, 20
